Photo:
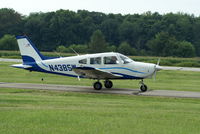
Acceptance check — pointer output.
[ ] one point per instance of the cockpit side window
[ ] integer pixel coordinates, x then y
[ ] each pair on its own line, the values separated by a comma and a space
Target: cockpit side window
110, 60
125, 59
83, 61
96, 60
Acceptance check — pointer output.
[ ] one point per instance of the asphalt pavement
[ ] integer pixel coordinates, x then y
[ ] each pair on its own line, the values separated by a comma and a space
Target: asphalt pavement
10, 60
87, 89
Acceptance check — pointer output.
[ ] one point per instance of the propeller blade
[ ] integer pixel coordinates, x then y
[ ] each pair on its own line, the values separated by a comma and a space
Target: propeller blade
158, 62
154, 76
157, 68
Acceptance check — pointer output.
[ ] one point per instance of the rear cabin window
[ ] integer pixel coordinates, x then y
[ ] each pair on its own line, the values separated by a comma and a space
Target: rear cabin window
110, 60
83, 61
96, 60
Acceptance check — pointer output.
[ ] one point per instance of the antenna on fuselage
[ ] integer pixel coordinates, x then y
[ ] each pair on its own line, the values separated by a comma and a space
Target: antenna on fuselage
74, 51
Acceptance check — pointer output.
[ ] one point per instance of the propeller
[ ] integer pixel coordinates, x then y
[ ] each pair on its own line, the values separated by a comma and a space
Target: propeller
157, 68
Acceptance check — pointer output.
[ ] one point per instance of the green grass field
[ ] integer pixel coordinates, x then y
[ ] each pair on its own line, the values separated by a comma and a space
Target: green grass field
166, 80
50, 112
55, 112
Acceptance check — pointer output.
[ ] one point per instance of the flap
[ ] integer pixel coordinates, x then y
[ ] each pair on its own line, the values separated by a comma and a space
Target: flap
94, 73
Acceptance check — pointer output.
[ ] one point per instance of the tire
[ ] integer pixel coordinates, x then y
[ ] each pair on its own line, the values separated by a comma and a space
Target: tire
108, 84
143, 88
97, 86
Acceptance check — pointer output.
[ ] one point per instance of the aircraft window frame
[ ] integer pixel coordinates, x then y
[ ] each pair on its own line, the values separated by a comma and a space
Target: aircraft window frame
95, 60
83, 61
110, 60
125, 59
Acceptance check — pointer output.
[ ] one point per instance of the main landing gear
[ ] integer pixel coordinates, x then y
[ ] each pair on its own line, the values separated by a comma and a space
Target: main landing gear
98, 86
108, 84
143, 87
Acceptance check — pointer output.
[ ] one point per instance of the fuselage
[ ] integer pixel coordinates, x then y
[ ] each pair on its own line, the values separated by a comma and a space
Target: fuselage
114, 63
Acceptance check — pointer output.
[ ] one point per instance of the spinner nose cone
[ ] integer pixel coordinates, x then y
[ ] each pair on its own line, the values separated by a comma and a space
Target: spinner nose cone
158, 68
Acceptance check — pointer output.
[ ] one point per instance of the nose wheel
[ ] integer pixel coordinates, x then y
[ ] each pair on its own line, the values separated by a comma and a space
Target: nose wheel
143, 87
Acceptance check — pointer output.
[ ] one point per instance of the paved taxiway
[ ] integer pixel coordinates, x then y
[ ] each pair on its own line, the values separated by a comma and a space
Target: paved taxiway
86, 89
10, 60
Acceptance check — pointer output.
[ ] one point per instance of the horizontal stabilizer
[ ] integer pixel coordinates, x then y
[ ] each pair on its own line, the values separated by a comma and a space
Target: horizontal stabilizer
21, 66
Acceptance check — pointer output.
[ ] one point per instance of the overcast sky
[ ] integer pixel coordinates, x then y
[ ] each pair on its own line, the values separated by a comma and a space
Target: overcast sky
106, 6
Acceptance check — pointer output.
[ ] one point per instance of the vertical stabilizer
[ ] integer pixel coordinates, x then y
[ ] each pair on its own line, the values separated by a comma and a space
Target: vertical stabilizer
28, 50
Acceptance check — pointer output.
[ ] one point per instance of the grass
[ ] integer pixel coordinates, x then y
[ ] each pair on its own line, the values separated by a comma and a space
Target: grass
32, 112
166, 80
164, 61
55, 112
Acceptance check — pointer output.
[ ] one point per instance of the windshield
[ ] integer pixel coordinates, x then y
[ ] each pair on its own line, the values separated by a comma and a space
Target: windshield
125, 59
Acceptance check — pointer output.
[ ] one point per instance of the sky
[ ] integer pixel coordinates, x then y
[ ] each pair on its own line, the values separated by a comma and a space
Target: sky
25, 7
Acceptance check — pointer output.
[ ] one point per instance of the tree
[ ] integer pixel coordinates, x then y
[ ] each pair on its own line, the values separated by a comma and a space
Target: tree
159, 43
61, 49
185, 49
165, 45
111, 48
129, 32
97, 43
110, 30
196, 36
126, 49
150, 33
8, 42
79, 48
10, 22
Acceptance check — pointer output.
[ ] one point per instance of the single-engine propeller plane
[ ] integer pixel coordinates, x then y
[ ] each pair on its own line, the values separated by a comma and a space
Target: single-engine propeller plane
100, 66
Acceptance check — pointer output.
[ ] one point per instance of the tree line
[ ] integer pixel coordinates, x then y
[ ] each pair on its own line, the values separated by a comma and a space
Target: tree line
90, 32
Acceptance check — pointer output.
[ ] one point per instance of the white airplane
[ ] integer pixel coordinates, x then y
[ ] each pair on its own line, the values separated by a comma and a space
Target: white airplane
100, 66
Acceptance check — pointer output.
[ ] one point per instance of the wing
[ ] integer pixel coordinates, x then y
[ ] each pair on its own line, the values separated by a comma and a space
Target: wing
94, 73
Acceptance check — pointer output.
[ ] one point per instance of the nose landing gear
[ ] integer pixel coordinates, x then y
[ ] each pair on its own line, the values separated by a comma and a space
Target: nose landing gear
143, 87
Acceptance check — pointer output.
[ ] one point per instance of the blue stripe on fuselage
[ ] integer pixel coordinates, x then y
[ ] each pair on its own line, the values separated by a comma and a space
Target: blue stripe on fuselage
44, 64
35, 67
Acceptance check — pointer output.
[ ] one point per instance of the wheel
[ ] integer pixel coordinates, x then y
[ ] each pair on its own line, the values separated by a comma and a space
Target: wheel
97, 85
108, 84
143, 88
